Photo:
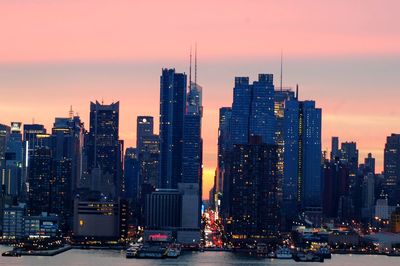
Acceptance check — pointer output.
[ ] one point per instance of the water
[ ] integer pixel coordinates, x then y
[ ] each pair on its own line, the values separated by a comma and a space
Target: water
117, 258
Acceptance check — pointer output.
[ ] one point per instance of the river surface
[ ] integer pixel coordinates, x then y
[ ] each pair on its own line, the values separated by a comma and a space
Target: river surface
117, 258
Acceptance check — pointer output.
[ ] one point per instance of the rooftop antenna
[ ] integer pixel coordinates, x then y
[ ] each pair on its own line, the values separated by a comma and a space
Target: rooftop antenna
195, 63
297, 91
281, 68
71, 112
190, 69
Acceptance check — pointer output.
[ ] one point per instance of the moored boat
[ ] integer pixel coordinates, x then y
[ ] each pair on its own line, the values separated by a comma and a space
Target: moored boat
283, 253
307, 257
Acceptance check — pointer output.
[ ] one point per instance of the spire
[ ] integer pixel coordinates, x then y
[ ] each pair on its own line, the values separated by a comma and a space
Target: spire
195, 63
190, 70
281, 68
297, 91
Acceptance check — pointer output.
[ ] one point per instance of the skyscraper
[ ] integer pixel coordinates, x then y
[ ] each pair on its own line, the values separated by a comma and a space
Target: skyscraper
148, 151
349, 155
30, 142
391, 167
144, 128
369, 163
104, 148
253, 213
302, 157
40, 179
172, 111
222, 180
335, 148
310, 150
253, 110
282, 96
192, 141
4, 134
14, 159
131, 173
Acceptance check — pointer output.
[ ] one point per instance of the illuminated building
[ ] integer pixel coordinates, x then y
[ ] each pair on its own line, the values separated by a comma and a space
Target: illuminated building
148, 152
172, 111
14, 160
302, 158
41, 226
280, 98
13, 222
30, 142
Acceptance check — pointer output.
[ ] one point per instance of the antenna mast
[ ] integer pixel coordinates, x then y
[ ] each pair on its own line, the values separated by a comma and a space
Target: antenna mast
281, 68
190, 70
195, 64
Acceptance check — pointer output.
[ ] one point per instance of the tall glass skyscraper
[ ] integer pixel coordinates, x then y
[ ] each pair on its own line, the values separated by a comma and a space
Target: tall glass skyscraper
302, 157
14, 159
310, 163
172, 111
192, 141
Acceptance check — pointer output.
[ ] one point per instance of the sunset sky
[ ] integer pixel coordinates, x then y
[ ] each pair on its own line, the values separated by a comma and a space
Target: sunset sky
345, 55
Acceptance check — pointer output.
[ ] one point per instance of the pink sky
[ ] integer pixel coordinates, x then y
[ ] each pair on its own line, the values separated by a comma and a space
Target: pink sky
345, 55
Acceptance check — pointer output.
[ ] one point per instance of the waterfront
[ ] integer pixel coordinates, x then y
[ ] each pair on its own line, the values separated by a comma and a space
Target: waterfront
117, 258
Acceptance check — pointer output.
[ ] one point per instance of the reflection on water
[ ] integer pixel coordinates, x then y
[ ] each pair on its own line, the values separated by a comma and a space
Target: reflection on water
117, 258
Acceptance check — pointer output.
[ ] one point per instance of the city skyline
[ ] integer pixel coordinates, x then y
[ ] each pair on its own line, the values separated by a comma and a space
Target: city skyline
346, 80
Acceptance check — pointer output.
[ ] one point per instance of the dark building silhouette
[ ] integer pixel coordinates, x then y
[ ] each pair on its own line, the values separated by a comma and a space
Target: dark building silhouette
253, 212
40, 179
172, 111
392, 169
163, 209
144, 128
104, 149
131, 173
335, 187
369, 163
221, 196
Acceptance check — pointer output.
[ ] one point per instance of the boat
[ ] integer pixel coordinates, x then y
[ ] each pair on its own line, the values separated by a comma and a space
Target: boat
173, 251
283, 253
324, 252
307, 257
152, 251
262, 249
11, 253
132, 251
393, 253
